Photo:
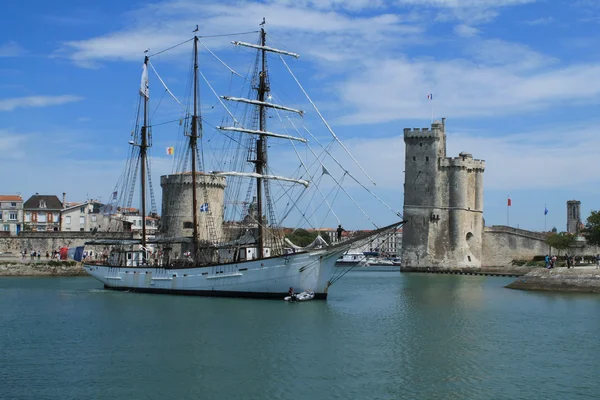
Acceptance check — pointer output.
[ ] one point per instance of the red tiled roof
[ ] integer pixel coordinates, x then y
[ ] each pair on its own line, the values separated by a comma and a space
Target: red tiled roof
10, 197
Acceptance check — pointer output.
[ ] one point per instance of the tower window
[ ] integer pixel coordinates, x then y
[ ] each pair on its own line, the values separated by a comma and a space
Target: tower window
414, 158
421, 144
426, 158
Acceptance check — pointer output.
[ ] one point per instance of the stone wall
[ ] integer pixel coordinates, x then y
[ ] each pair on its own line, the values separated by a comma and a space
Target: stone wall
50, 241
503, 244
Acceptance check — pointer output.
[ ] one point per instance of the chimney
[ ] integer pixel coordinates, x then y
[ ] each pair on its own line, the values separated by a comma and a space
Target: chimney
64, 200
444, 123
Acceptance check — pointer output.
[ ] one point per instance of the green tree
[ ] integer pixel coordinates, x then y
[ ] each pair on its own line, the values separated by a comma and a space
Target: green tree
302, 237
561, 241
591, 232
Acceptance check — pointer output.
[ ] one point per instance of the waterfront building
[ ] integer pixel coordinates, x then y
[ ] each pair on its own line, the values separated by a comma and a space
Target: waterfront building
81, 217
42, 213
11, 214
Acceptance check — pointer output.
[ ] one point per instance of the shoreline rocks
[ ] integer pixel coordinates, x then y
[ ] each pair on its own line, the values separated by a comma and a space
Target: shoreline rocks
583, 280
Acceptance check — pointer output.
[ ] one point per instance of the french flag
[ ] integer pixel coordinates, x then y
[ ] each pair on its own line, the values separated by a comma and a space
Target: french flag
430, 96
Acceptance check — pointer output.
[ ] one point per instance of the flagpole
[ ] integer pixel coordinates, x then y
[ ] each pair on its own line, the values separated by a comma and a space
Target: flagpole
431, 100
545, 213
431, 111
508, 211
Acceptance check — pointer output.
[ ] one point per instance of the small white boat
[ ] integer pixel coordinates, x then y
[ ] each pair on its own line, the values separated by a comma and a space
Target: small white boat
304, 296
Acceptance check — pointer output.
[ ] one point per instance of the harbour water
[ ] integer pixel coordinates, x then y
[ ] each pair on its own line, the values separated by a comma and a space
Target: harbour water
380, 335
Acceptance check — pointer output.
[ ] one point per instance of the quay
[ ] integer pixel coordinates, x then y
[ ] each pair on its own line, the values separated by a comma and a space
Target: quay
503, 272
561, 279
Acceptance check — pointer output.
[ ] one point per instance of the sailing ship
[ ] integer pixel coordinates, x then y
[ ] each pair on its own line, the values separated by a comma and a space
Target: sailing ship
215, 254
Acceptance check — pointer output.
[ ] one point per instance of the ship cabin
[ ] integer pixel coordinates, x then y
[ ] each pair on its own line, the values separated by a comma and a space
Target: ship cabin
245, 253
129, 258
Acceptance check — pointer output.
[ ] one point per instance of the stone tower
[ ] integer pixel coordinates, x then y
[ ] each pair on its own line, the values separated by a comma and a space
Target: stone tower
573, 216
176, 219
443, 204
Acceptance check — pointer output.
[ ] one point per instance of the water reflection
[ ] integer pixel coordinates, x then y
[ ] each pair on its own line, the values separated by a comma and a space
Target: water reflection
379, 336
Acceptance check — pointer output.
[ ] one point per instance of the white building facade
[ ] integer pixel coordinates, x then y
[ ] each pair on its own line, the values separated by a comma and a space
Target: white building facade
11, 214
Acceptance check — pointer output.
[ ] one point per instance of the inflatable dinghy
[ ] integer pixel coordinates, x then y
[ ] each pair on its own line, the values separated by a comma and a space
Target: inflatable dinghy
304, 296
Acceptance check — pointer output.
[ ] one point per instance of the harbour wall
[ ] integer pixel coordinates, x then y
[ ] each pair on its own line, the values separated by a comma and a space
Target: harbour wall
503, 244
50, 241
43, 268
585, 280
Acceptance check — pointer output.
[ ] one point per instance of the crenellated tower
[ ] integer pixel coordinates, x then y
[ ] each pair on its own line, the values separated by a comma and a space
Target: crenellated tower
443, 204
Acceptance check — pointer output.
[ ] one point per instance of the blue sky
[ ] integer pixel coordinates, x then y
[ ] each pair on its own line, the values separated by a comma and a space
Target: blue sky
517, 80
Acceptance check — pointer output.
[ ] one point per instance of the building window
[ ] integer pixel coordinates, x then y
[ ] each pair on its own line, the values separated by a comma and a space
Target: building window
6, 228
81, 220
188, 225
27, 217
426, 158
13, 205
68, 220
414, 158
94, 218
82, 210
0, 215
12, 216
42, 218
42, 203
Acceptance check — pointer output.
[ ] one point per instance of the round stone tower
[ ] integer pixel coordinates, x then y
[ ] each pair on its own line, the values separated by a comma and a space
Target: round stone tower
443, 204
177, 220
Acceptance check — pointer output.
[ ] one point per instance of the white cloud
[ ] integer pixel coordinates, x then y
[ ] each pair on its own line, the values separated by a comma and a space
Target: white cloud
36, 101
540, 21
11, 144
466, 31
471, 11
11, 49
352, 5
396, 89
323, 32
465, 3
495, 52
541, 159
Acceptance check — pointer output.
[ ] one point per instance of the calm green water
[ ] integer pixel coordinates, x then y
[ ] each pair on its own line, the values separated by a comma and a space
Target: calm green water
379, 336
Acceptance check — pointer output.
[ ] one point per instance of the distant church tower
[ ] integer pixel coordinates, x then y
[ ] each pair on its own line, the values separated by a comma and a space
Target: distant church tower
443, 204
573, 216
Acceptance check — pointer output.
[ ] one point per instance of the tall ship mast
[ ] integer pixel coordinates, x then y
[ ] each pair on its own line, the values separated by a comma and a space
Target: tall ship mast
223, 224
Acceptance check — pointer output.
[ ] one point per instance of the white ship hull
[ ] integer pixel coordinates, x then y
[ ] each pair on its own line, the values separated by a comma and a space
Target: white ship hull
265, 278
